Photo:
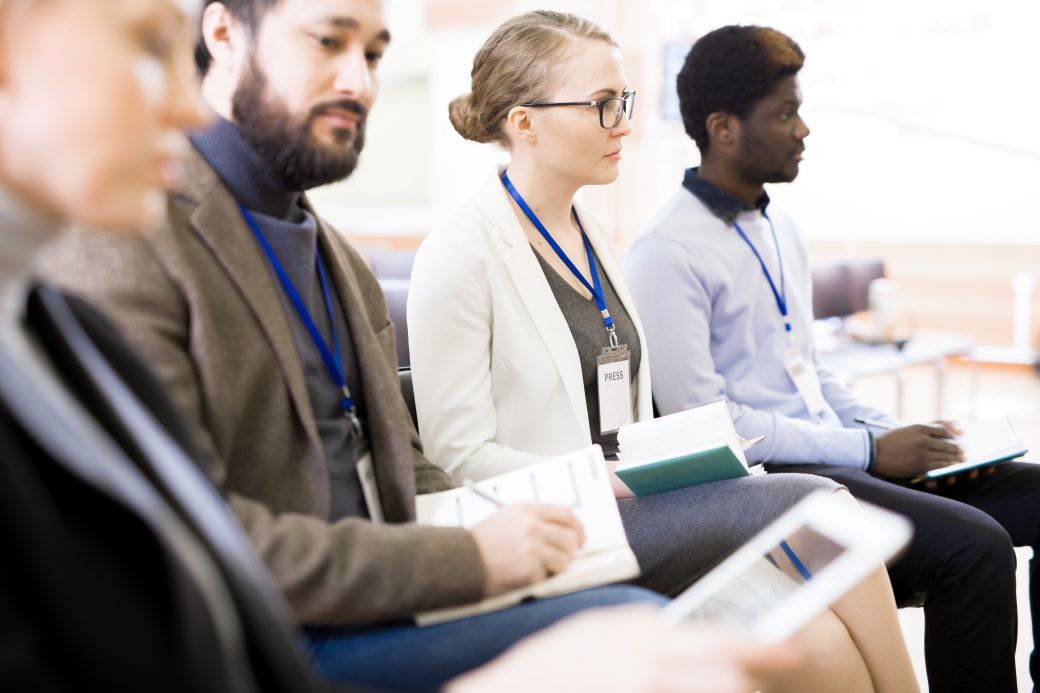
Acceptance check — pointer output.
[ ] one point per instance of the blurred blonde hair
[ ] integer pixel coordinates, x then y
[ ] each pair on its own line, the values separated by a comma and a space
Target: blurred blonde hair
517, 65
10, 11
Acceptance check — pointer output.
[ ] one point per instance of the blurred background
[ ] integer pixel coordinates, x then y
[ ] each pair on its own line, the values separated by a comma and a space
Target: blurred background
924, 148
921, 167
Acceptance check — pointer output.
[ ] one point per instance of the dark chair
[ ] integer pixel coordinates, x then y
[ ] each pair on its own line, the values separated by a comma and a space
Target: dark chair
405, 376
861, 274
843, 288
393, 269
396, 293
831, 290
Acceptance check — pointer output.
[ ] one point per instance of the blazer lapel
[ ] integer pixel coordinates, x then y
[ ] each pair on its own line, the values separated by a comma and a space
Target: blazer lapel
535, 293
93, 375
219, 223
40, 410
93, 455
388, 422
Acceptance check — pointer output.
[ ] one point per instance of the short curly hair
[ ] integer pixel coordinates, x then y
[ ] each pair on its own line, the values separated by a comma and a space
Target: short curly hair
730, 70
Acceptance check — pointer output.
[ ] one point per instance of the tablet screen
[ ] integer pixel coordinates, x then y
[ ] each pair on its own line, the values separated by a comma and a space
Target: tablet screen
769, 579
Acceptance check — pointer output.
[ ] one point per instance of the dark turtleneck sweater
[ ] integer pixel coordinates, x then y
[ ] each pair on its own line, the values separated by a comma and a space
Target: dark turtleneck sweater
292, 232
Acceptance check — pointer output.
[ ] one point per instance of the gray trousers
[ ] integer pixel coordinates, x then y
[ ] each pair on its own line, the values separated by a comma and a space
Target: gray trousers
680, 535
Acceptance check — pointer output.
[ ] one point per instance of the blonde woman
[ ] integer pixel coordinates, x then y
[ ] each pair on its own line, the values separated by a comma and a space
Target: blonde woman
107, 583
517, 297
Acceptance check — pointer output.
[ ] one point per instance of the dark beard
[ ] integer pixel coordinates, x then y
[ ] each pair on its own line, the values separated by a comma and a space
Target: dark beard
754, 173
287, 147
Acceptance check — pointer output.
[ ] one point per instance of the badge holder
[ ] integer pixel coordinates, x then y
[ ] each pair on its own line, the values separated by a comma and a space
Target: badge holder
369, 489
804, 377
614, 385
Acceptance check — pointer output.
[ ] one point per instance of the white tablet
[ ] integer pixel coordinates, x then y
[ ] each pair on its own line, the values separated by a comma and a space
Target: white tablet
793, 569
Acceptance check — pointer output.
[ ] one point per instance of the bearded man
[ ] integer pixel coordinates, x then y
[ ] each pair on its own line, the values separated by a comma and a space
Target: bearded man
272, 336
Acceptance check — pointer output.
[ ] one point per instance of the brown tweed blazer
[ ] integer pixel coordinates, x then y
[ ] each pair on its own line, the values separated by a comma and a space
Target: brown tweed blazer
198, 300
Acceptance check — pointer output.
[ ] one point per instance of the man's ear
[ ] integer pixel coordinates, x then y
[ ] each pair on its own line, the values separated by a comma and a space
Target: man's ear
723, 128
520, 126
225, 37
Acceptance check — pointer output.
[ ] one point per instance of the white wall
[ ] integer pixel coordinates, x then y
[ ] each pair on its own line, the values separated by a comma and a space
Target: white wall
924, 118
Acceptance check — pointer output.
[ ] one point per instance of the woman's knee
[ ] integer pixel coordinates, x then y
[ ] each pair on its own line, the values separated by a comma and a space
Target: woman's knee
832, 661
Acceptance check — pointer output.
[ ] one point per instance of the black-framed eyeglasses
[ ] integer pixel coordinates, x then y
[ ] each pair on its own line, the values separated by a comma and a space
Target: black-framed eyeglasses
610, 109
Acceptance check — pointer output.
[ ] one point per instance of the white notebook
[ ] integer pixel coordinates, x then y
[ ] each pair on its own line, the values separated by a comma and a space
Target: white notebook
702, 428
579, 481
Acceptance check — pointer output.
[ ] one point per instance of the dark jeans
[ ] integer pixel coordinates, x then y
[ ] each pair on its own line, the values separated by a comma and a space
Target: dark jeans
961, 562
404, 657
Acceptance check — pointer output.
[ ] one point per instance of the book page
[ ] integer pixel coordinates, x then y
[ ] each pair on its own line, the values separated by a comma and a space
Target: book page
701, 428
578, 481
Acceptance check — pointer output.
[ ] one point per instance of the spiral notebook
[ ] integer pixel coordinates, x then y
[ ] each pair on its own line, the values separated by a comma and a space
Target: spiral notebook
579, 481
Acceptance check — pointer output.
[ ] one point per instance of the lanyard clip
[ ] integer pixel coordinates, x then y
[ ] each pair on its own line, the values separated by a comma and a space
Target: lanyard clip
349, 411
612, 333
356, 432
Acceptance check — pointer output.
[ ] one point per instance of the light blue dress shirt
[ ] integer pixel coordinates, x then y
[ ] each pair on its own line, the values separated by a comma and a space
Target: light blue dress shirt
714, 331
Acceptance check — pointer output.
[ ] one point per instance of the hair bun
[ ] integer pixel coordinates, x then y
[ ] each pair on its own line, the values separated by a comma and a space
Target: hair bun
515, 65
465, 120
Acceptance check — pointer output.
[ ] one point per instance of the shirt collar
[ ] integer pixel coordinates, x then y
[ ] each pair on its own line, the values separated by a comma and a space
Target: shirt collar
244, 172
23, 234
718, 201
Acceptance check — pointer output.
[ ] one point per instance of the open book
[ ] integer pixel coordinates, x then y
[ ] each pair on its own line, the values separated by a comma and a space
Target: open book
984, 443
579, 481
683, 449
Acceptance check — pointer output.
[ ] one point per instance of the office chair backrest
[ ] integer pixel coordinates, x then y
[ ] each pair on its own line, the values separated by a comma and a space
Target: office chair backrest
842, 288
396, 293
405, 376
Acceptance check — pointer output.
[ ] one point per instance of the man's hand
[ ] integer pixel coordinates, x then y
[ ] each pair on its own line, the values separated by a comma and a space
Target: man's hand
524, 543
628, 649
913, 450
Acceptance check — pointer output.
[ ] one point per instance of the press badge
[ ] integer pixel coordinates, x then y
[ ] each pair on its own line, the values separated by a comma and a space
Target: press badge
367, 474
615, 388
805, 379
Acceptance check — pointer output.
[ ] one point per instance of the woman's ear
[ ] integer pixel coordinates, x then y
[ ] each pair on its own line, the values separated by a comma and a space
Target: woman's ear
520, 125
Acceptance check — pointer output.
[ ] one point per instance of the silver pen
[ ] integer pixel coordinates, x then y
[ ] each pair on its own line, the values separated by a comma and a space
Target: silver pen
874, 422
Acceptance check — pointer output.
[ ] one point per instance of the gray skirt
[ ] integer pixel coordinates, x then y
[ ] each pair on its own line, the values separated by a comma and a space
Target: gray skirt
680, 535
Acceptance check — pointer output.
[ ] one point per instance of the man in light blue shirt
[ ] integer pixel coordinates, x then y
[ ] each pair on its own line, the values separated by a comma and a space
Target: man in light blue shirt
722, 283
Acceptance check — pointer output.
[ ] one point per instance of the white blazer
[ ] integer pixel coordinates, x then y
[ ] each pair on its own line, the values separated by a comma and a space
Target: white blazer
497, 377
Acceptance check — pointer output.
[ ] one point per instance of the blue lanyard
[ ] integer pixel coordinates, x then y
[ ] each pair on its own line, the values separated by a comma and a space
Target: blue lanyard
332, 357
781, 295
596, 288
798, 565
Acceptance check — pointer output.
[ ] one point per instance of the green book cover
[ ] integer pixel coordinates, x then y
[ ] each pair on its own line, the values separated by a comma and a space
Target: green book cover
690, 469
